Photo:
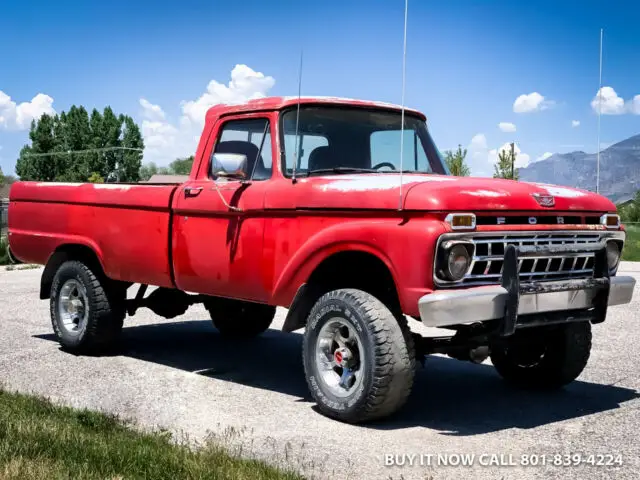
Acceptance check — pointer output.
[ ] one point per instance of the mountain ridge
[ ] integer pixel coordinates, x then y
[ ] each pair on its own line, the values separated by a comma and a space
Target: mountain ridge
619, 170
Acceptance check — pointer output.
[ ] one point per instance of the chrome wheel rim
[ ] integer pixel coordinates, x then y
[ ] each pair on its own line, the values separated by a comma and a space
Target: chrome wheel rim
339, 357
73, 306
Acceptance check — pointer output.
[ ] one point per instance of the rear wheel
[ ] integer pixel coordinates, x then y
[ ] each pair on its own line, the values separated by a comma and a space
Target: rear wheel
238, 319
359, 358
544, 358
87, 312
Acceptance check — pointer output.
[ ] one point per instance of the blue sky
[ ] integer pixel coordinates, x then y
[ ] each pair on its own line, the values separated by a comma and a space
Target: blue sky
467, 63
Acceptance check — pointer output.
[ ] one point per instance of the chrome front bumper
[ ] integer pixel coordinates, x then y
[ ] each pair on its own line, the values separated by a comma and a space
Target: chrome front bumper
516, 305
480, 304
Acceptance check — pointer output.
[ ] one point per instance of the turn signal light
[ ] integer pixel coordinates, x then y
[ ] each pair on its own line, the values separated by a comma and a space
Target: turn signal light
610, 220
461, 221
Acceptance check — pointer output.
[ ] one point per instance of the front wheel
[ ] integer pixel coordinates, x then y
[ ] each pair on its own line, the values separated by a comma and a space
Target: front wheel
359, 358
544, 358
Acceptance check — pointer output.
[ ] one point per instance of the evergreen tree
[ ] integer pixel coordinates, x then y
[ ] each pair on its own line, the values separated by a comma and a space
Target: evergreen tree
69, 135
505, 166
131, 160
456, 164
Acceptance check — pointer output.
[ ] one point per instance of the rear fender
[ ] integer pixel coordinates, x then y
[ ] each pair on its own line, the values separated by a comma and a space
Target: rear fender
83, 252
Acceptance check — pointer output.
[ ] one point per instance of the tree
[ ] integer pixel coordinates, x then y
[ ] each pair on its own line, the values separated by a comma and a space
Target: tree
630, 211
505, 166
455, 162
95, 178
181, 166
75, 146
2, 180
147, 171
131, 159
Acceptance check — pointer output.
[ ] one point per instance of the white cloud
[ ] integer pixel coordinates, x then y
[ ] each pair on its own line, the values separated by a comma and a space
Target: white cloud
575, 123
165, 141
507, 127
479, 141
15, 116
544, 156
608, 102
634, 105
150, 111
522, 159
531, 102
246, 84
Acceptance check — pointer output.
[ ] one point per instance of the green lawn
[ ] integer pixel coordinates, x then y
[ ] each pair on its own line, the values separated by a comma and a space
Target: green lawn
41, 441
631, 250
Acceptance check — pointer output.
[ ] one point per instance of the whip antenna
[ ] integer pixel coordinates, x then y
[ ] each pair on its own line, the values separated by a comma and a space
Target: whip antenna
298, 147
404, 65
599, 114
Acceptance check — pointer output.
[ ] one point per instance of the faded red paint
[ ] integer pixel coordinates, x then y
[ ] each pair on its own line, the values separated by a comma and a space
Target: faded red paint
284, 231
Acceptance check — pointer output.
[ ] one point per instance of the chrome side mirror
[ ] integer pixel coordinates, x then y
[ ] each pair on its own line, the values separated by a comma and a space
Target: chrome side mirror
229, 165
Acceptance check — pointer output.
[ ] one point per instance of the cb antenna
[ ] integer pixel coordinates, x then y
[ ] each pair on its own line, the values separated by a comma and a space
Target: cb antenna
599, 114
298, 147
404, 65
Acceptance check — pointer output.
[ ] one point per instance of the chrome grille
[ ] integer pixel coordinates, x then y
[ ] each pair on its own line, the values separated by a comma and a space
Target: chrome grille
487, 261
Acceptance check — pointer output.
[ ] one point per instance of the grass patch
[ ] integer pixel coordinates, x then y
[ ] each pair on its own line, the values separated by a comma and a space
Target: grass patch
4, 251
631, 251
41, 441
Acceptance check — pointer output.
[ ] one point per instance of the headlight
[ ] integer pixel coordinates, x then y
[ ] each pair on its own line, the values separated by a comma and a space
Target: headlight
613, 255
456, 262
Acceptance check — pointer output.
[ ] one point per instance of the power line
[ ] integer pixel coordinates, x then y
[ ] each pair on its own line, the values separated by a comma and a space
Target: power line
67, 152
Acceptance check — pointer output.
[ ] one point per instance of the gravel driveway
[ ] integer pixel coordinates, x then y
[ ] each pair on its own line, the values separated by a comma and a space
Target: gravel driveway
179, 374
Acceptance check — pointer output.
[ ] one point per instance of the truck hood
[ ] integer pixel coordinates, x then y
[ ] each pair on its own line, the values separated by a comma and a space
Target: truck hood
440, 193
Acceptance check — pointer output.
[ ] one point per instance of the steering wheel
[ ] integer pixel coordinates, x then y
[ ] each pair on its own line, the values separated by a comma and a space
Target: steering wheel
384, 164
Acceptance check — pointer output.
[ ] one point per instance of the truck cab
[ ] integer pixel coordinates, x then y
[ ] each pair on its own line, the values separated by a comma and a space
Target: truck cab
342, 211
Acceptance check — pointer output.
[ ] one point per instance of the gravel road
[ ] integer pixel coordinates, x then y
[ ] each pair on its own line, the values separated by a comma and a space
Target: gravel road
180, 374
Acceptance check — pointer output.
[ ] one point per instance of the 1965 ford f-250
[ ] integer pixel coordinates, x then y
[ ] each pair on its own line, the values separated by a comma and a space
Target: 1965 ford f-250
304, 203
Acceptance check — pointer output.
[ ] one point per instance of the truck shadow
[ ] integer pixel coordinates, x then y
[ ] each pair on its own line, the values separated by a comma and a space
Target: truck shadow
453, 397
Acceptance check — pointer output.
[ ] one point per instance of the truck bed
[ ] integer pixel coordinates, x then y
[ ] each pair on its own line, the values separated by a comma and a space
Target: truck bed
127, 225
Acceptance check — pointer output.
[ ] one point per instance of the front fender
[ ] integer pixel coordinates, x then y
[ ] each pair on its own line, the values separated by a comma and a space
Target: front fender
405, 247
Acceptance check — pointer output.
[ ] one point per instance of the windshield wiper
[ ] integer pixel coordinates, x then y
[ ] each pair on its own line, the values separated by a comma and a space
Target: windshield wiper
341, 170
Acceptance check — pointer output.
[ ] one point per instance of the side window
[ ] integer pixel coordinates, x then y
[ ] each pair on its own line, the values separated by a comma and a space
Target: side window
308, 144
251, 138
385, 147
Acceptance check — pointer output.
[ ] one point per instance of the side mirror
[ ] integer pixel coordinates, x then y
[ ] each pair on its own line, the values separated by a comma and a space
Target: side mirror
229, 165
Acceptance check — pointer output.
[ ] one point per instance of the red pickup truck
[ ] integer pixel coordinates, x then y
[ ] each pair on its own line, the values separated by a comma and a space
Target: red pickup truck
305, 203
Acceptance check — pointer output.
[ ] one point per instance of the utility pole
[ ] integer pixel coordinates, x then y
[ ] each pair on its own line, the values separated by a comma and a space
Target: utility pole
513, 161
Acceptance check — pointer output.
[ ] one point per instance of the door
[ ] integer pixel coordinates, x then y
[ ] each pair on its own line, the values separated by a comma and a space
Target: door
218, 223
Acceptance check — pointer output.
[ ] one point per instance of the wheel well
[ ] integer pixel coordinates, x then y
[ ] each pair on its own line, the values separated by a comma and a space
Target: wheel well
350, 269
62, 254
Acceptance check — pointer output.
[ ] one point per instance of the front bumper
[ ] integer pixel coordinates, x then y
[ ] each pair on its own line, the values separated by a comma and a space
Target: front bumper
517, 305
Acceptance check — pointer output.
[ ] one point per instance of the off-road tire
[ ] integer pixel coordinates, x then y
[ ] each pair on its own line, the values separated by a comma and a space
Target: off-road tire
566, 352
106, 306
238, 319
389, 356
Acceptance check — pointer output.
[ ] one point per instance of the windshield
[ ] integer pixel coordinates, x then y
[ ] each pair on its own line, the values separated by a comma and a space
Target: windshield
344, 139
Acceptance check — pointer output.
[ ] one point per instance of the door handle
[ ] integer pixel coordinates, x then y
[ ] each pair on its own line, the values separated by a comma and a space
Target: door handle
192, 191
